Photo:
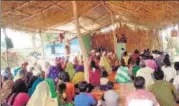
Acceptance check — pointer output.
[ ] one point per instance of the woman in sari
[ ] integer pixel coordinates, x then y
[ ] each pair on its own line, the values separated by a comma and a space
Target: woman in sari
123, 77
79, 77
135, 55
94, 74
32, 80
126, 58
104, 62
70, 89
54, 72
18, 96
34, 85
70, 69
28, 78
80, 67
44, 94
75, 62
5, 91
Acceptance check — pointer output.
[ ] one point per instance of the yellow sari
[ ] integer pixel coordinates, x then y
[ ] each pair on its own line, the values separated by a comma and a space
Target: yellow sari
104, 62
79, 77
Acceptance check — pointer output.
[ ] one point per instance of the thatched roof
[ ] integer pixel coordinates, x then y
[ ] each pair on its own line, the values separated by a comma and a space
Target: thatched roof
53, 15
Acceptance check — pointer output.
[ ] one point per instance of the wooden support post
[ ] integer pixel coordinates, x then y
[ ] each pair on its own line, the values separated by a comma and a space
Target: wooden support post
82, 47
112, 20
114, 34
42, 43
33, 42
7, 57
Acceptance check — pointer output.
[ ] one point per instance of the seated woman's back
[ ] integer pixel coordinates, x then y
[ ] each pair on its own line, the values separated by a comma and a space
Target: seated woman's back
70, 91
20, 100
18, 96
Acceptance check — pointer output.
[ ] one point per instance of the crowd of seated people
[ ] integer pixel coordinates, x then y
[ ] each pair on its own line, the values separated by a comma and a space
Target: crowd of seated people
146, 78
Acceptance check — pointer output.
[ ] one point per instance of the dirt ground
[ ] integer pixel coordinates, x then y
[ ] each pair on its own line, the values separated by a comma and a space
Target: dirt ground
122, 93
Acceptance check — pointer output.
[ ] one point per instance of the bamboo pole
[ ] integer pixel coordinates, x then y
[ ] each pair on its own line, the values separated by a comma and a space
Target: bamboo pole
7, 57
42, 43
114, 33
112, 20
33, 42
83, 50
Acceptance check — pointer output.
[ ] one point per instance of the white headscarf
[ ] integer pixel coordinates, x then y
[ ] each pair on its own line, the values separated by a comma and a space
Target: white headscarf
42, 96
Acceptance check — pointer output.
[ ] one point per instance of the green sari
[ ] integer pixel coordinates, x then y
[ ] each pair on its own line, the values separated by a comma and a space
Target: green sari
71, 71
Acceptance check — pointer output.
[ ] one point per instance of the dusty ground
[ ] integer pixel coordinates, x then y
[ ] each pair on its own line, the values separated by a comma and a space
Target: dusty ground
122, 93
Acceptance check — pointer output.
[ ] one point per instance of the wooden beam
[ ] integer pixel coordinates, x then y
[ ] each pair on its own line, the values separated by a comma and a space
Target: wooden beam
114, 34
19, 7
94, 23
83, 50
98, 19
34, 29
106, 7
38, 13
61, 8
127, 10
138, 8
91, 9
83, 28
98, 28
56, 30
23, 13
42, 44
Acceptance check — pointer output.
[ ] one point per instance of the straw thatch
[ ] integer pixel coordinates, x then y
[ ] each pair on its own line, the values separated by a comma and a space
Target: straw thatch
136, 39
45, 15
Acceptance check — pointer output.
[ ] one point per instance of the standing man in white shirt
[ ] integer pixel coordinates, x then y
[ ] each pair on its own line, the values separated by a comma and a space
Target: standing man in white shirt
168, 70
176, 79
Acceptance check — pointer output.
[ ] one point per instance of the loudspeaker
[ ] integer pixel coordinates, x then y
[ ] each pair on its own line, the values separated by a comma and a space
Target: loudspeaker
9, 43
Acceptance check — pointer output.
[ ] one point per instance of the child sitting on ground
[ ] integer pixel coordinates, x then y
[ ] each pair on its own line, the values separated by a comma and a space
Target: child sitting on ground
110, 97
90, 87
83, 99
104, 80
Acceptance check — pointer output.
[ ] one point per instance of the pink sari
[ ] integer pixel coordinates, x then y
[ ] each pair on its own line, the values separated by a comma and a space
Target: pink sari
20, 100
151, 63
94, 77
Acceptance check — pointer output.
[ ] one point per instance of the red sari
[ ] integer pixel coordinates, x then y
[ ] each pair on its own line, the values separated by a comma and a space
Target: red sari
94, 77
